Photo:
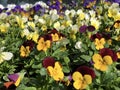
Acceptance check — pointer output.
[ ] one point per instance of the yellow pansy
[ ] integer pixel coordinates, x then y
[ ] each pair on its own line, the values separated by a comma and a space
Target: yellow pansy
81, 82
35, 37
99, 43
95, 23
118, 55
20, 22
43, 45
55, 37
102, 63
24, 51
44, 28
32, 25
117, 24
4, 27
56, 72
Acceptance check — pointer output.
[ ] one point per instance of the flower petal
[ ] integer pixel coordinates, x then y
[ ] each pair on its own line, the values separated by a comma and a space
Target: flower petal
7, 55
108, 60
88, 79
77, 76
77, 84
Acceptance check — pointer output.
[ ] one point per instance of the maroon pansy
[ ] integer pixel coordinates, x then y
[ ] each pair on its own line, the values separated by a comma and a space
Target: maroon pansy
29, 43
107, 51
48, 61
86, 70
94, 36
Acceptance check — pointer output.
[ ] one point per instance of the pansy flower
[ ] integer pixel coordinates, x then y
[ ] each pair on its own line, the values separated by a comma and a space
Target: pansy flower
14, 79
118, 54
81, 81
99, 43
43, 44
94, 36
117, 24
20, 22
26, 48
48, 61
5, 56
56, 72
56, 36
107, 51
84, 28
102, 63
86, 70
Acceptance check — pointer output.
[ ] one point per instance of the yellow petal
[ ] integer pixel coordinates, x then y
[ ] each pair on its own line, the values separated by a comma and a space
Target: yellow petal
108, 60
58, 66
84, 85
97, 58
17, 82
50, 70
88, 79
102, 40
47, 43
103, 67
58, 75
77, 84
118, 54
77, 76
98, 65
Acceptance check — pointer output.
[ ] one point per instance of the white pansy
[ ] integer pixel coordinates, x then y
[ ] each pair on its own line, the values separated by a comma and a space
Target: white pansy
95, 22
67, 12
87, 17
53, 11
53, 14
57, 25
5, 55
24, 19
42, 21
10, 6
3, 15
81, 14
1, 6
25, 32
75, 28
92, 13
41, 3
36, 17
78, 45
26, 6
73, 13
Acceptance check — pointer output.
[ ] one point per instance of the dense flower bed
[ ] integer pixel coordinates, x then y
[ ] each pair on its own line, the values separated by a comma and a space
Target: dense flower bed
57, 46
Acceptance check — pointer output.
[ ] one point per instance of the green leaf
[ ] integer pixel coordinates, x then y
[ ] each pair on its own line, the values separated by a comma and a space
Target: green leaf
86, 57
67, 60
30, 88
43, 71
66, 69
93, 46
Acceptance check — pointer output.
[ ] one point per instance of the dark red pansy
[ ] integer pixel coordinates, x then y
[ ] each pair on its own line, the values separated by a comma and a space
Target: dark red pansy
48, 61
29, 43
107, 51
86, 70
94, 36
91, 28
106, 36
47, 37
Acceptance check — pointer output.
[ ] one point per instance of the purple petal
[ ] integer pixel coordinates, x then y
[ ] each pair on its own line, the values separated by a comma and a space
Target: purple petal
83, 29
13, 77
